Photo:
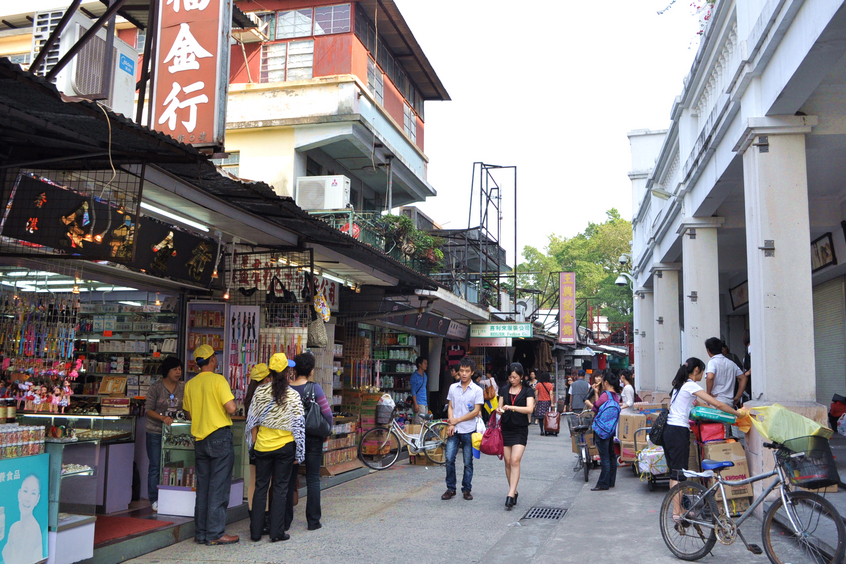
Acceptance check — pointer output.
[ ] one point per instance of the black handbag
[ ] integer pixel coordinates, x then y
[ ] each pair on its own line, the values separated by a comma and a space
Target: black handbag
315, 424
656, 433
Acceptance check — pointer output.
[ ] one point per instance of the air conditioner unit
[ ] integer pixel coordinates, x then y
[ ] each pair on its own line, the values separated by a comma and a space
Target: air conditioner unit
316, 193
82, 75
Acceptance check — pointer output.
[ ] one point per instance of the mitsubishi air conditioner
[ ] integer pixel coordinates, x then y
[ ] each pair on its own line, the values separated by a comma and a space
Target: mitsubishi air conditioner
82, 75
315, 193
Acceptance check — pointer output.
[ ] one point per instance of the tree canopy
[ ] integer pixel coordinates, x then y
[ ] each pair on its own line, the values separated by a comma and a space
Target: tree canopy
594, 255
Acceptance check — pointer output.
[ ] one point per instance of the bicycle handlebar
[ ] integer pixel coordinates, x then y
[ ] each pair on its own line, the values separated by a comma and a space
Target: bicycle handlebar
773, 445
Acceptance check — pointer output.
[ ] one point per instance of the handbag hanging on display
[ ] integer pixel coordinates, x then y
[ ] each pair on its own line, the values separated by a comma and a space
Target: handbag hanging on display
315, 424
492, 443
317, 338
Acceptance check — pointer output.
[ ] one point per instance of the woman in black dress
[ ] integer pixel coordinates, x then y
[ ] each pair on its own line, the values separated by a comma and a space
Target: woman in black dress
516, 404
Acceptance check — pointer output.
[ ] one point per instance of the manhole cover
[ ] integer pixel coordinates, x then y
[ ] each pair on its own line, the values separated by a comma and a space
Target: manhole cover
545, 513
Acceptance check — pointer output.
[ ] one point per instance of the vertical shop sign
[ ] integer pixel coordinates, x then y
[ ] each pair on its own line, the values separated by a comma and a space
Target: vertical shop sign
192, 70
567, 308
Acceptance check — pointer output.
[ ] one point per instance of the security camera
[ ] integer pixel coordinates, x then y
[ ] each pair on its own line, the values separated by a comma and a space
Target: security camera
623, 259
620, 281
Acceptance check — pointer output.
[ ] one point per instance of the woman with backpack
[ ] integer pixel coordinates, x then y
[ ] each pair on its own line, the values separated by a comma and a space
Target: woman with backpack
607, 410
676, 436
309, 391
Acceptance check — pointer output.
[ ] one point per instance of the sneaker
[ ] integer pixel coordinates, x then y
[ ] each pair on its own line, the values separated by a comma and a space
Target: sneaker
155, 507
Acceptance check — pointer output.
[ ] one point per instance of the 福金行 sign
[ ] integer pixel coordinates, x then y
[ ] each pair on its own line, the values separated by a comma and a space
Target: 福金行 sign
501, 330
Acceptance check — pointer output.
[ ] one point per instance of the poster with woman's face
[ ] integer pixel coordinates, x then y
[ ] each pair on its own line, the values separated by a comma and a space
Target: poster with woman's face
23, 500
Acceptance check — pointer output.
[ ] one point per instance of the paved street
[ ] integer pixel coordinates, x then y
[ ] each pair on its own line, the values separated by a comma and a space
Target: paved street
397, 515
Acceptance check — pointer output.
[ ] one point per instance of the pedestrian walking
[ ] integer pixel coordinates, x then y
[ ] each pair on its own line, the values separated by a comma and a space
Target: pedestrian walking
210, 404
533, 382
419, 383
543, 398
303, 384
686, 391
579, 391
607, 410
516, 404
276, 433
162, 404
465, 401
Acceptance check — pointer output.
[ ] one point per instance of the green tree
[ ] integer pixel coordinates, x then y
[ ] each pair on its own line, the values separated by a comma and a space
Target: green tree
594, 255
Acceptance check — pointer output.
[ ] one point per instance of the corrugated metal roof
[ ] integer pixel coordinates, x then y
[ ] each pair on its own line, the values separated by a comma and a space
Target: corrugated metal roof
37, 122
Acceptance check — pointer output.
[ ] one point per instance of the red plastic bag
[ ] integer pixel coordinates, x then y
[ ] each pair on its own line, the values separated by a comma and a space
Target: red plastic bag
709, 432
492, 439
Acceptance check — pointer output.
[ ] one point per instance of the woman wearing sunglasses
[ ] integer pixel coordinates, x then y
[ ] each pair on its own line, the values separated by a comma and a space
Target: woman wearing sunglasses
164, 400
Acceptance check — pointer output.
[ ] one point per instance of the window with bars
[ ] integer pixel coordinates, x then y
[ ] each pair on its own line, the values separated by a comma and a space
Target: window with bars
282, 62
410, 123
231, 164
332, 19
374, 81
293, 23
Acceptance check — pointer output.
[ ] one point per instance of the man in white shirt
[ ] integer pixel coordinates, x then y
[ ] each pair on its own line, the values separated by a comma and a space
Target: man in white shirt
721, 374
465, 401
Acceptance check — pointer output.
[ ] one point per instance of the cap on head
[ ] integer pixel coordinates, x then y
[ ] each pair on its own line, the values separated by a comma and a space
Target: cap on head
259, 372
203, 353
280, 362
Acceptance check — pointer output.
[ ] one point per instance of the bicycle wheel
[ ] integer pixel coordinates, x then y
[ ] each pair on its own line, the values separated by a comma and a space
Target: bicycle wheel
434, 443
379, 448
819, 537
585, 456
694, 536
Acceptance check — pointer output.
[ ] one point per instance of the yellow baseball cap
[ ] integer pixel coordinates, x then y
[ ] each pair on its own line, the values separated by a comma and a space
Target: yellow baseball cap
259, 372
280, 362
203, 352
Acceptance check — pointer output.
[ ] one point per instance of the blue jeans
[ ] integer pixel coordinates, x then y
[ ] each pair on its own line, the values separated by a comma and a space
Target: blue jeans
154, 454
607, 463
214, 458
466, 442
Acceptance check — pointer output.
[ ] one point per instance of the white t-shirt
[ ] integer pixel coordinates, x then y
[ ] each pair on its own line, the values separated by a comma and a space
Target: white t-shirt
682, 403
628, 396
463, 402
725, 374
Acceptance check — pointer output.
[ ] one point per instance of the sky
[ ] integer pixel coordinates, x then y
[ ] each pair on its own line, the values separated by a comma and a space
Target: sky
551, 87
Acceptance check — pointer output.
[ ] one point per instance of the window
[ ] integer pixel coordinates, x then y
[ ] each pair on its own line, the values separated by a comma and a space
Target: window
374, 81
22, 59
294, 23
268, 24
282, 62
140, 40
230, 164
332, 19
410, 123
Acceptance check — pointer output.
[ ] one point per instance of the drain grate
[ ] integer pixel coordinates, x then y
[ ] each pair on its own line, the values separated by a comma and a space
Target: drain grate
545, 513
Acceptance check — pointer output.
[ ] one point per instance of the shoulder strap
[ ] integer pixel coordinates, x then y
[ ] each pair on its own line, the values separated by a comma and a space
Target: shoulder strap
308, 392
421, 386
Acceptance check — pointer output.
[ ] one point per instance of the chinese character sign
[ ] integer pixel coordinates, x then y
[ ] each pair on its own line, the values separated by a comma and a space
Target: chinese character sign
192, 70
567, 328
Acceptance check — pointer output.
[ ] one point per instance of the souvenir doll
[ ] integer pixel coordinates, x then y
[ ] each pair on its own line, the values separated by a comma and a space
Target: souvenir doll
65, 400
37, 395
29, 395
55, 398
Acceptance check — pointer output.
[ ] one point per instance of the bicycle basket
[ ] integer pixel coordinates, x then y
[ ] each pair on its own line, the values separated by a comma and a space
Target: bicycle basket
578, 424
383, 414
814, 470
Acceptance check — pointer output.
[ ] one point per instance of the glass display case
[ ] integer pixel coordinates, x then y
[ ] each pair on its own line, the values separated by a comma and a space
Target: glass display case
73, 480
107, 429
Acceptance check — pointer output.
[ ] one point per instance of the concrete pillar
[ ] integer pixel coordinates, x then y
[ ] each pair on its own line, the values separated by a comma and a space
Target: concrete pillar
778, 257
666, 329
778, 243
644, 340
700, 274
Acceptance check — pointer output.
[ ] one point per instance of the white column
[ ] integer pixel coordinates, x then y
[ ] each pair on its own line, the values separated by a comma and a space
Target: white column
700, 275
778, 243
666, 329
643, 338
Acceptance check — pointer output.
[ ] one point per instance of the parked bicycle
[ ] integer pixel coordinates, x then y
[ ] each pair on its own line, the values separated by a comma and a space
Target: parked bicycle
579, 424
798, 526
380, 447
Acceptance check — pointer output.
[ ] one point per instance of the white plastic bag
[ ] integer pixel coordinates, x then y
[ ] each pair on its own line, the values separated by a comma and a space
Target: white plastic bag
841, 425
387, 401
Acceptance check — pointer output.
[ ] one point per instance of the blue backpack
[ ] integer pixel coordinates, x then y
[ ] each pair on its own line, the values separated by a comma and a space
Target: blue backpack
605, 422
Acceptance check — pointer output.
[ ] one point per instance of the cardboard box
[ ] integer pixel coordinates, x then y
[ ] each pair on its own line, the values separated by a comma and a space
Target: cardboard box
649, 407
574, 441
627, 451
660, 397
693, 458
629, 423
740, 471
736, 506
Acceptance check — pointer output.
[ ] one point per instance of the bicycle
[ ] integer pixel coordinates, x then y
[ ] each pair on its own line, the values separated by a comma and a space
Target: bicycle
798, 526
579, 425
380, 446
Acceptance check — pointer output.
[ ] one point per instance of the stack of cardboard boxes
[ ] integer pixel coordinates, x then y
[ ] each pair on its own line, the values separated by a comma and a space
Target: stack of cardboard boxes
739, 498
629, 424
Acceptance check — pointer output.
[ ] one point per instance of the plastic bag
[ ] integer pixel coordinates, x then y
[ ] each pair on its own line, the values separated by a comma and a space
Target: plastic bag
777, 423
744, 422
841, 424
711, 414
387, 400
477, 445
652, 461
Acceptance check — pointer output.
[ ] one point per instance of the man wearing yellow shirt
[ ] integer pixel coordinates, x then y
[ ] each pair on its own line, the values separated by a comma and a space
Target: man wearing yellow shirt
210, 403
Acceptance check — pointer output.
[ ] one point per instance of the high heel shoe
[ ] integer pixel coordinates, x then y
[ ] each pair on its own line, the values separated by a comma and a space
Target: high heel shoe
509, 503
516, 495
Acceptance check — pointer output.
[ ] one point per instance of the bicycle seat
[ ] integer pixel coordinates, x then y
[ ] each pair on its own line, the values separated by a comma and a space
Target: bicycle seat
580, 428
427, 417
709, 464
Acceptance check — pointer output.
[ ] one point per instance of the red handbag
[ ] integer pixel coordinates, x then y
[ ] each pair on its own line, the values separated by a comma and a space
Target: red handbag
492, 439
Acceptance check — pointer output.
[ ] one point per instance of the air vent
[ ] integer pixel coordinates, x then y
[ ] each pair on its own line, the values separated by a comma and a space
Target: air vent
551, 513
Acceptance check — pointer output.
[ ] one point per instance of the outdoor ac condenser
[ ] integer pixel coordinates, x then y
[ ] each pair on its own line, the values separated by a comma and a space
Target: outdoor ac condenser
81, 77
322, 192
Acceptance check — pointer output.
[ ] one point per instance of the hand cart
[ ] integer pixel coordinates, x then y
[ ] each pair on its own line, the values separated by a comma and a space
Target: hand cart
651, 479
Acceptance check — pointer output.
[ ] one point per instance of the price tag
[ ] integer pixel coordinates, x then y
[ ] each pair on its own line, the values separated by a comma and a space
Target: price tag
157, 354
107, 333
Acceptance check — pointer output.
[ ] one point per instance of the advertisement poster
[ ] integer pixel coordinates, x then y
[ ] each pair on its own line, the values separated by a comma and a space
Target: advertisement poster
23, 499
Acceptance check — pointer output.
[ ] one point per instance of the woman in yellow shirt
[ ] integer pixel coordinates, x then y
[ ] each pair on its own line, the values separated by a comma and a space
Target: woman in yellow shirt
276, 432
